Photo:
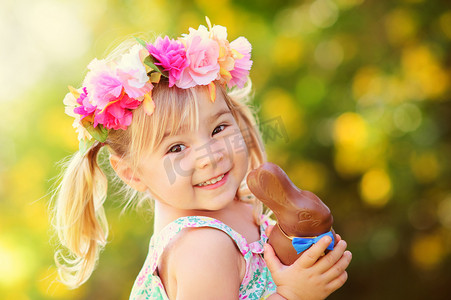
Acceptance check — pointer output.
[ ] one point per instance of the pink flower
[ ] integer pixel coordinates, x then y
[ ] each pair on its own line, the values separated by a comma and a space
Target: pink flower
243, 64
106, 80
114, 88
117, 115
225, 59
170, 55
86, 108
202, 54
102, 83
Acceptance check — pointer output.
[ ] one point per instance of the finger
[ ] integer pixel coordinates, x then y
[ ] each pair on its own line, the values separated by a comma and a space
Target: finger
337, 238
337, 282
336, 270
311, 255
269, 229
331, 258
272, 261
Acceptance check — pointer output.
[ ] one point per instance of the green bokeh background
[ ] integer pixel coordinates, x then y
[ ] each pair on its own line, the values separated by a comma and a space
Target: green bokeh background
363, 91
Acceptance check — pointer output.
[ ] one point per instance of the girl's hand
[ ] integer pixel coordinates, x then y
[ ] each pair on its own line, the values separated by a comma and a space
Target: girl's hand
312, 275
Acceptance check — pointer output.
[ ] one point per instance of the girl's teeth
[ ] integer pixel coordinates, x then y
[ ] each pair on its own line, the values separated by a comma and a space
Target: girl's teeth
213, 181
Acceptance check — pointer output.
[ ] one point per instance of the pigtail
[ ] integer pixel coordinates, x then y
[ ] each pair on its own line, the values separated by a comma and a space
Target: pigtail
80, 219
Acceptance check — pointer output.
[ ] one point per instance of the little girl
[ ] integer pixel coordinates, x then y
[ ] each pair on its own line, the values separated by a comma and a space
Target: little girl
173, 118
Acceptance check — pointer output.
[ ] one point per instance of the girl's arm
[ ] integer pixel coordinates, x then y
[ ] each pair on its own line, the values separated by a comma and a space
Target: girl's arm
312, 276
203, 263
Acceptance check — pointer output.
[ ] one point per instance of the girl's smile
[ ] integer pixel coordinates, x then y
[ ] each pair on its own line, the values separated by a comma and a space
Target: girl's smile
213, 183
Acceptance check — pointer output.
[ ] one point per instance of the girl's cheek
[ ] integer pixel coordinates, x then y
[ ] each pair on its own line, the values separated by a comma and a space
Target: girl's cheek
183, 165
238, 144
187, 164
174, 168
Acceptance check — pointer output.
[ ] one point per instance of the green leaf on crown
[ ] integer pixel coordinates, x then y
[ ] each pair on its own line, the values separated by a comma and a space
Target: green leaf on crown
151, 63
141, 42
99, 133
149, 60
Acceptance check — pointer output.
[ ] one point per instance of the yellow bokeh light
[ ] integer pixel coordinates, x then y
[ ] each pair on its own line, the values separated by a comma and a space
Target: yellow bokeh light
370, 86
329, 54
425, 166
278, 103
395, 90
287, 53
376, 187
308, 175
17, 263
422, 69
349, 162
323, 13
276, 156
366, 81
357, 149
350, 131
407, 117
428, 251
400, 26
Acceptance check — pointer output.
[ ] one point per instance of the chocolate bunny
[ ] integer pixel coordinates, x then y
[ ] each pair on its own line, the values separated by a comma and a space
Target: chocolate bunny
299, 213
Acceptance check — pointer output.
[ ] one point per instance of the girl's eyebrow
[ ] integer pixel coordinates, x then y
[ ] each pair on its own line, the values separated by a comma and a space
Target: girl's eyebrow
168, 133
214, 117
210, 120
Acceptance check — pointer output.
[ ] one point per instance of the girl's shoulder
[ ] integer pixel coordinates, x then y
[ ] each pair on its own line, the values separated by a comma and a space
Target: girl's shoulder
207, 240
202, 256
198, 234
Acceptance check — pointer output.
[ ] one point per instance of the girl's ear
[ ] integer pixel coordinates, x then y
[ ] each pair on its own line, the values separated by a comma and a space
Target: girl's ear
126, 173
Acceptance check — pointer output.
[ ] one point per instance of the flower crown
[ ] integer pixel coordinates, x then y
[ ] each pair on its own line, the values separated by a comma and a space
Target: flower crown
112, 89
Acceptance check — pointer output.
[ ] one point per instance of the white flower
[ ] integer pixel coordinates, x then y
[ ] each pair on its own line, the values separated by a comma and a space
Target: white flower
70, 103
132, 73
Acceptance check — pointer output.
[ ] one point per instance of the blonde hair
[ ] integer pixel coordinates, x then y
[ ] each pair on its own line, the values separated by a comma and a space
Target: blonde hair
79, 215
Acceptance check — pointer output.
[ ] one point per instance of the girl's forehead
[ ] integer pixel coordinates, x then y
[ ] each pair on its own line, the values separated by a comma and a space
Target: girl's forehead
202, 113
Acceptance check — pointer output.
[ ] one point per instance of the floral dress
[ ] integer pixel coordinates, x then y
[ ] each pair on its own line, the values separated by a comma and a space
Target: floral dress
257, 282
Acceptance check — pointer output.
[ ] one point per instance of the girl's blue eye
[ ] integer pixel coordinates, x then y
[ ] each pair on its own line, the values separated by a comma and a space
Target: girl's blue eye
218, 129
176, 148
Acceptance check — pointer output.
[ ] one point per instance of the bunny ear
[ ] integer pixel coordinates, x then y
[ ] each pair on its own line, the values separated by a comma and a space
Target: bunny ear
267, 187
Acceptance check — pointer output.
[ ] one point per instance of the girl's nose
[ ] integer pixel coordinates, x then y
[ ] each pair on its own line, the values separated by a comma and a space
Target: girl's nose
210, 154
